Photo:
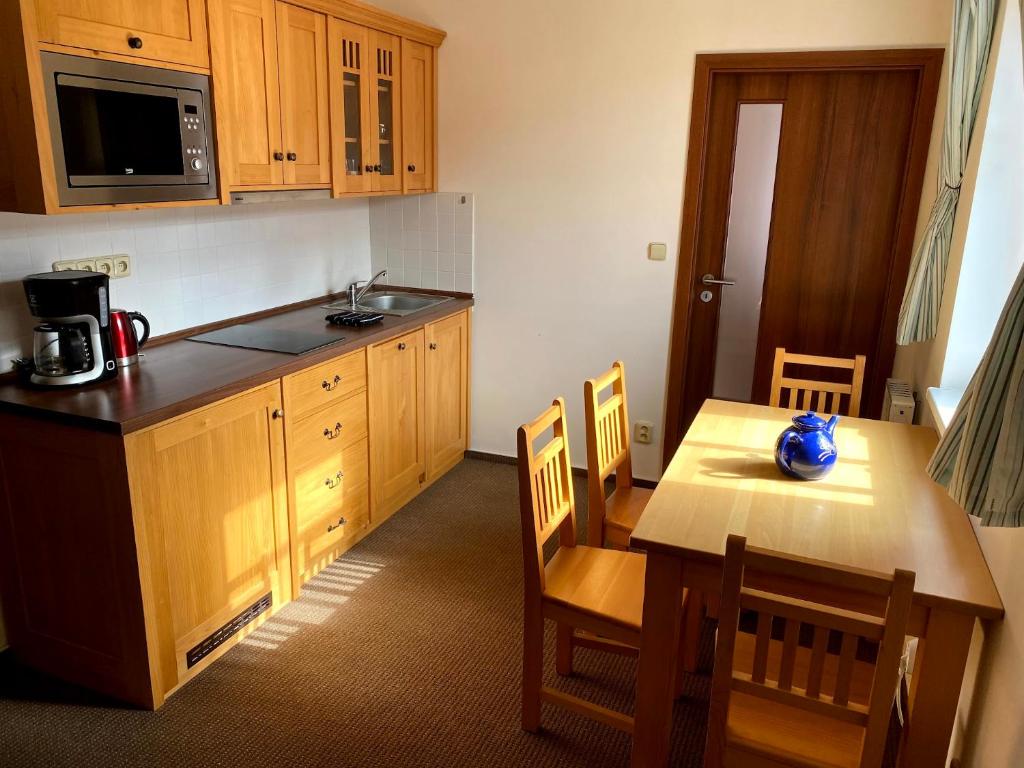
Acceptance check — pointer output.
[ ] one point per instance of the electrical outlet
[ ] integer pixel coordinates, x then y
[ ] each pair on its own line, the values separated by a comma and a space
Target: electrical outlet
105, 265
63, 266
86, 265
643, 431
122, 265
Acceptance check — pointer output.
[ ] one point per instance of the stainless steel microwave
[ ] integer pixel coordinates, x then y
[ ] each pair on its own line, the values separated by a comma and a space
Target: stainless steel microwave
124, 133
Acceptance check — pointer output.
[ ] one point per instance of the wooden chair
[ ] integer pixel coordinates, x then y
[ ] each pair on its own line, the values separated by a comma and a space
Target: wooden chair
783, 704
611, 520
802, 391
583, 589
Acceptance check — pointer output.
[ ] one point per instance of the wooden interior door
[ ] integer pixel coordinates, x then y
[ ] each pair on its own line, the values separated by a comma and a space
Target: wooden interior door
385, 111
217, 539
417, 116
854, 136
302, 48
395, 383
350, 76
447, 377
161, 30
246, 93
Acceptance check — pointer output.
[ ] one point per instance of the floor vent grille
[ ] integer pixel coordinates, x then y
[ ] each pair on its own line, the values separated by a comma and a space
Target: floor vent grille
207, 646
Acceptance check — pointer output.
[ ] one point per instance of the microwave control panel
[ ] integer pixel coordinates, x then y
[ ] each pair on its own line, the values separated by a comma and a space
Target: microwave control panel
194, 149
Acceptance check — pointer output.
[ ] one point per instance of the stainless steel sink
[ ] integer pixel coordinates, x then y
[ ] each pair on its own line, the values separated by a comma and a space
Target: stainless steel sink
397, 303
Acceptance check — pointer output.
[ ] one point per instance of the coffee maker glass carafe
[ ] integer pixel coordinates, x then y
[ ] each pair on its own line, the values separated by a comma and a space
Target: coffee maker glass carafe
62, 349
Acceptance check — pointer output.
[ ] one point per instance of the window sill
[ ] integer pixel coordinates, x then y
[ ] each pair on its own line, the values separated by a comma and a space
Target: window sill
942, 405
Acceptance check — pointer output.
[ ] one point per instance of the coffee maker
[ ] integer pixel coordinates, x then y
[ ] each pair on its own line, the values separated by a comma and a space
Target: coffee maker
71, 344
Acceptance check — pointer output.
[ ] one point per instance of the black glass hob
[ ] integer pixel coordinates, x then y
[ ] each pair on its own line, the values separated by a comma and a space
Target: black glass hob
250, 336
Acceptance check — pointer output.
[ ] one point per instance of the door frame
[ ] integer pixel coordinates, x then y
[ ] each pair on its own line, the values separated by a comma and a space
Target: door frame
926, 61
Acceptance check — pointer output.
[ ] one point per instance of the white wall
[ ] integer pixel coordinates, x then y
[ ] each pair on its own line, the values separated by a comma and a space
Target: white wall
568, 120
190, 265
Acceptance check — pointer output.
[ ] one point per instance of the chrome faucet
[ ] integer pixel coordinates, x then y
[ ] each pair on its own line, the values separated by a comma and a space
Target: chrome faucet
355, 293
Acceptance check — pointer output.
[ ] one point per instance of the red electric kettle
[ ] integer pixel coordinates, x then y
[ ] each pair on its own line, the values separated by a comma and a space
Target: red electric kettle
126, 343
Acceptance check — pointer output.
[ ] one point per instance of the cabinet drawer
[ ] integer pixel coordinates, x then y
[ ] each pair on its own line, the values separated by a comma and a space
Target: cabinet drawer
326, 383
332, 504
325, 433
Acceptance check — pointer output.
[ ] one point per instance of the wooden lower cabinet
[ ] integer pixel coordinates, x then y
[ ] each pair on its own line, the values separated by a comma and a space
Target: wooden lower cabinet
419, 410
395, 376
208, 492
447, 385
328, 463
130, 563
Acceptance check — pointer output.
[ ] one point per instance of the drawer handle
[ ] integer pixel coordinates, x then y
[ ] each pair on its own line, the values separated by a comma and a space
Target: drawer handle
334, 482
341, 522
401, 346
330, 434
135, 42
328, 385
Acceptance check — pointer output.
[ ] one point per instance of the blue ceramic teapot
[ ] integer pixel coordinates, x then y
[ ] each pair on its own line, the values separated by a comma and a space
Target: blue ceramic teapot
806, 450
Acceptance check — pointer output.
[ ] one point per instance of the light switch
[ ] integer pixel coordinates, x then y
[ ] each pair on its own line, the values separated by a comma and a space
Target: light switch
656, 251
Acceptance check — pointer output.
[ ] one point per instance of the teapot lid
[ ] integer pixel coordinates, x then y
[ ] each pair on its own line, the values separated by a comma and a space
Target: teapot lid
809, 422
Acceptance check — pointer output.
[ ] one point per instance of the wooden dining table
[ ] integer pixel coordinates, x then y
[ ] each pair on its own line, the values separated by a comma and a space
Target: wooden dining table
877, 509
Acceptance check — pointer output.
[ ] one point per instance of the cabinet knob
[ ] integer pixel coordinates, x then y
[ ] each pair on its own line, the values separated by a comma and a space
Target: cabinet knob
376, 168
369, 169
334, 482
279, 155
341, 522
330, 434
278, 413
329, 385
292, 156
412, 168
401, 346
135, 42
433, 345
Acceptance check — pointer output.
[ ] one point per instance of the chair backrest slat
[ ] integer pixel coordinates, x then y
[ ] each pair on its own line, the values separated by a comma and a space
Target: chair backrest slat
808, 387
802, 684
608, 448
546, 501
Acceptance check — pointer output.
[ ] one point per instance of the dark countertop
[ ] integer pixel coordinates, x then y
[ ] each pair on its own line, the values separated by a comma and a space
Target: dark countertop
176, 376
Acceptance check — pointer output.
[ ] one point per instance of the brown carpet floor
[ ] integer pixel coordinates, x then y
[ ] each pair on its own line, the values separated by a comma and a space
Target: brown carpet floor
405, 652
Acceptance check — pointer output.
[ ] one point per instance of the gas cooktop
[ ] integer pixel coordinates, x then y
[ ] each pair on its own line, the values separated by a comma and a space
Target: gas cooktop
249, 336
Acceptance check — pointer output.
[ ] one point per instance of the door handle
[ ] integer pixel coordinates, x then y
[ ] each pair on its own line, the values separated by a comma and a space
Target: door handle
710, 279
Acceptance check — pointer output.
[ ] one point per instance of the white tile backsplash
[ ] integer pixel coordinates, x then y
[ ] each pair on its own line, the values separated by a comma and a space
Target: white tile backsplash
424, 241
193, 265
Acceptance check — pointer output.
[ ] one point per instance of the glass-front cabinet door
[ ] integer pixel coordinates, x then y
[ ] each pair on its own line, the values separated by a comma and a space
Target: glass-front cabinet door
351, 123
385, 102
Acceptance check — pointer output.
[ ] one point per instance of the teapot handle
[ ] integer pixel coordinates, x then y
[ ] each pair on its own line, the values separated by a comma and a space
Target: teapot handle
145, 326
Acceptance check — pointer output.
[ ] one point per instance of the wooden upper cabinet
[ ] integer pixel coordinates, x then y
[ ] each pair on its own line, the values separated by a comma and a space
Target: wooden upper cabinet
209, 494
246, 93
172, 31
418, 116
385, 111
447, 389
302, 53
395, 382
348, 58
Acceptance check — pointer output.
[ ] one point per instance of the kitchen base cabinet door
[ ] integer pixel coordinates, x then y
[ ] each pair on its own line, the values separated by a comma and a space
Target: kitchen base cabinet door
209, 497
159, 30
447, 384
331, 507
395, 384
